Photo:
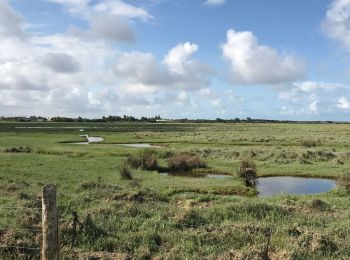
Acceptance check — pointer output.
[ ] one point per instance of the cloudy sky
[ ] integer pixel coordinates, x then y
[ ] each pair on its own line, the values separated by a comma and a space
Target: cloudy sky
276, 59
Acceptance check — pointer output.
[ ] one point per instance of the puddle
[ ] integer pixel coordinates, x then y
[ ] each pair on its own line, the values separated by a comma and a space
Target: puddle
139, 145
91, 139
218, 176
271, 186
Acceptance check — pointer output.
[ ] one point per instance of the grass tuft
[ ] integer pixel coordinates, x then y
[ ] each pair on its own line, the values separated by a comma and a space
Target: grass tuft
145, 160
184, 161
18, 150
125, 173
247, 171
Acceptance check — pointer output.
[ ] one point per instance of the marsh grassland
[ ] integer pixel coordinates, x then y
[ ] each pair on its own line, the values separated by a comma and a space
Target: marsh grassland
123, 207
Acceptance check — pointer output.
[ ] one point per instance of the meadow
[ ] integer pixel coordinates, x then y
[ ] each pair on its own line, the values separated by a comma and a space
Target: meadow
150, 216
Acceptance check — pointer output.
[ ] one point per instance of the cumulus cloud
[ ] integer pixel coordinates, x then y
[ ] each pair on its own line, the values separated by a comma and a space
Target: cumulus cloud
61, 74
337, 22
313, 107
61, 63
177, 59
178, 71
298, 91
111, 27
214, 2
120, 8
140, 68
312, 98
252, 63
10, 21
343, 103
107, 20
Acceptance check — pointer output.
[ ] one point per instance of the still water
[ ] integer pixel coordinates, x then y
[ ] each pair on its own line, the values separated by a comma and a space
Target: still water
141, 145
271, 186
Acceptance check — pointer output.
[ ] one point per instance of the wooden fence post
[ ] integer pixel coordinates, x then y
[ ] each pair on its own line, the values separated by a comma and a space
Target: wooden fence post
50, 247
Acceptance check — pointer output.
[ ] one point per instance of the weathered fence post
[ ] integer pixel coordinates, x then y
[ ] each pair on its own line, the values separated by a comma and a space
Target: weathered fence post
50, 247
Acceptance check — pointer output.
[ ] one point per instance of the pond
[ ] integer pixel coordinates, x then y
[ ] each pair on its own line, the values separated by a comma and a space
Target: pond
141, 145
271, 186
91, 139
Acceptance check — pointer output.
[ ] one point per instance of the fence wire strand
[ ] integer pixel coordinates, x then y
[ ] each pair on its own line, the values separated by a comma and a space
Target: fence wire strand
21, 229
22, 208
20, 247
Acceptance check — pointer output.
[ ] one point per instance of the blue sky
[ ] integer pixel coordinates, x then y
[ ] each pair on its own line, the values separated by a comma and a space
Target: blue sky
273, 59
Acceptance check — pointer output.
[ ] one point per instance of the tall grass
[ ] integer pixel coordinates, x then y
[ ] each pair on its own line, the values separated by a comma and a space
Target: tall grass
310, 143
184, 161
125, 173
247, 171
144, 159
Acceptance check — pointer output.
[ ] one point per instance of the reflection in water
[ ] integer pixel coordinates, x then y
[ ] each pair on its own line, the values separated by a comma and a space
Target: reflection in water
270, 186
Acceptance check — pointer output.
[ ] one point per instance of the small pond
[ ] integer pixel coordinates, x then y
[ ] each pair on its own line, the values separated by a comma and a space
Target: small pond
271, 186
139, 145
91, 139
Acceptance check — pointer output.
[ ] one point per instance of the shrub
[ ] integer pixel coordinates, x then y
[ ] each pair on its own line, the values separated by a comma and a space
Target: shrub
325, 155
345, 180
319, 204
125, 173
309, 143
18, 150
145, 160
185, 162
247, 171
322, 156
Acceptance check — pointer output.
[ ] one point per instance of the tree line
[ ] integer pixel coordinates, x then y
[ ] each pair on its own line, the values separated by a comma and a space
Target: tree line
155, 119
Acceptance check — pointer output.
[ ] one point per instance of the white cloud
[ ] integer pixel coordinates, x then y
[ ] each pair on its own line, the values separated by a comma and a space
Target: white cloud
177, 59
120, 8
78, 8
343, 103
61, 63
70, 1
110, 27
178, 71
313, 107
337, 22
314, 98
85, 9
11, 23
214, 2
108, 20
252, 63
299, 91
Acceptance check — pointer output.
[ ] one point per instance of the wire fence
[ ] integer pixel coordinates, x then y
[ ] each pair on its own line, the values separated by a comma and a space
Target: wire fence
24, 240
28, 238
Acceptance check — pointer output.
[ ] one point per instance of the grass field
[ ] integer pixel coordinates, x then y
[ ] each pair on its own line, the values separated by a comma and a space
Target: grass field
159, 217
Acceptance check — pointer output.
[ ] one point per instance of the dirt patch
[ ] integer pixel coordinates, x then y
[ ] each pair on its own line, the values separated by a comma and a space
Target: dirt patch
255, 253
188, 204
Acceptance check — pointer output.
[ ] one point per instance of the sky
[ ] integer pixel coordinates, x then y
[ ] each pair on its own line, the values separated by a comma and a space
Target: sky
271, 59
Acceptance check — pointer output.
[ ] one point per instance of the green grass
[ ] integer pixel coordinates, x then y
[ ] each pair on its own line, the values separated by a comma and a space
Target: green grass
176, 217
